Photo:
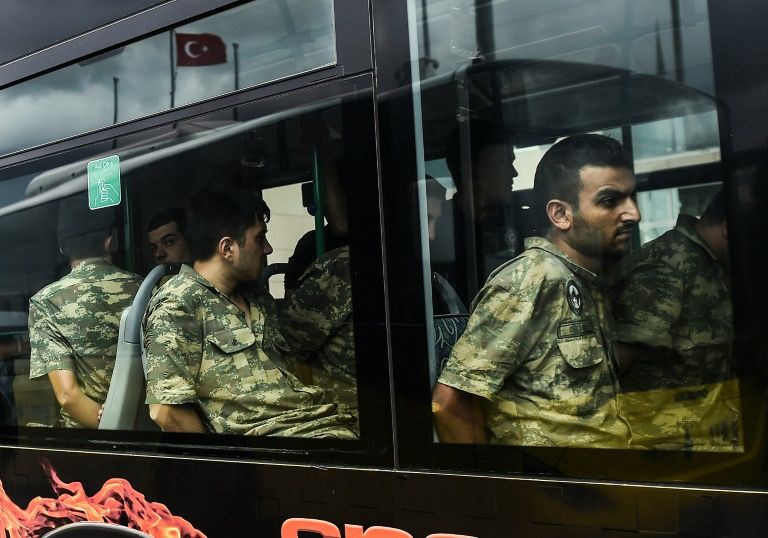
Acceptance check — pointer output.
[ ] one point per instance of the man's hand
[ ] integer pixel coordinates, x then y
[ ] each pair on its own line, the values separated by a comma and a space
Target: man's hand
176, 418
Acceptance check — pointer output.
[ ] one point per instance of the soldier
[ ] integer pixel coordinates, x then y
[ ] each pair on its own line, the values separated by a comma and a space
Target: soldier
166, 236
535, 365
213, 363
672, 306
316, 321
74, 322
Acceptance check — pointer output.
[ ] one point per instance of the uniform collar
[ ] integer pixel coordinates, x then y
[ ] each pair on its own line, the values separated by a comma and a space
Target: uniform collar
189, 272
548, 246
686, 225
89, 264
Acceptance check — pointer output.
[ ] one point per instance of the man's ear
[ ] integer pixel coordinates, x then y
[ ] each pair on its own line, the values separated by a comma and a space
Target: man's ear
560, 214
226, 247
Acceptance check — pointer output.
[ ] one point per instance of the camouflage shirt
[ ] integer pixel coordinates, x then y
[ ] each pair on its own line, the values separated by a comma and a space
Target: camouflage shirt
317, 323
537, 348
74, 323
201, 350
673, 297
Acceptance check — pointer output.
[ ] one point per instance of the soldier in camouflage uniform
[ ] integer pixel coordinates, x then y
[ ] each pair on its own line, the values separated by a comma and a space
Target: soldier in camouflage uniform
672, 307
213, 363
74, 322
535, 365
316, 320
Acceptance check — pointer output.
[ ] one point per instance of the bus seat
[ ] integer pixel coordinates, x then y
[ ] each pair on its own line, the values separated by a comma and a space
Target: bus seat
449, 326
124, 408
87, 529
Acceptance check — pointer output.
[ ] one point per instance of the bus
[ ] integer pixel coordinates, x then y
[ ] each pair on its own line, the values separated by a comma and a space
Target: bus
407, 134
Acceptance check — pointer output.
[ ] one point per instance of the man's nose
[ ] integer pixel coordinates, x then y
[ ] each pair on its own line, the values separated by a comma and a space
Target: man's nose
268, 248
630, 211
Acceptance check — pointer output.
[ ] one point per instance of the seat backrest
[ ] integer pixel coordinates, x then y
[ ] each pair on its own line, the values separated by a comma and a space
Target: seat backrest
448, 327
124, 408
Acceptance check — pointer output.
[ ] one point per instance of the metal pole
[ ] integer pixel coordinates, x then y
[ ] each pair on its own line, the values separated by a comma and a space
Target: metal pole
115, 81
173, 71
317, 188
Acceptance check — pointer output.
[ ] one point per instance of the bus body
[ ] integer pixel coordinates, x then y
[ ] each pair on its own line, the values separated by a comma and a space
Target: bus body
347, 116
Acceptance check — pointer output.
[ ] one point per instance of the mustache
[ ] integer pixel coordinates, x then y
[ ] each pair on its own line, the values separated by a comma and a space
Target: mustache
627, 228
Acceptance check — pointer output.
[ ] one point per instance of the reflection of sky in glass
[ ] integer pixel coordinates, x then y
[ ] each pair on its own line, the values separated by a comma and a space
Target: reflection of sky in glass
623, 34
276, 38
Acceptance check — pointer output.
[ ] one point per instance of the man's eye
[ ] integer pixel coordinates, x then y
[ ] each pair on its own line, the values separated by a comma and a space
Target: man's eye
608, 202
169, 242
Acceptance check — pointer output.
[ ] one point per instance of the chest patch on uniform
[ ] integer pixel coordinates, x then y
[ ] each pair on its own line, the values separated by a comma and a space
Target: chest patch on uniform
573, 294
573, 329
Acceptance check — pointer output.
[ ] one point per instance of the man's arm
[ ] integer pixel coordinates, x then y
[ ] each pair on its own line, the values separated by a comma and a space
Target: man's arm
176, 418
73, 400
458, 416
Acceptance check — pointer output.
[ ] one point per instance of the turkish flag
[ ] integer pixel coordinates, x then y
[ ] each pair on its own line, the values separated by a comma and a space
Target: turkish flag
200, 49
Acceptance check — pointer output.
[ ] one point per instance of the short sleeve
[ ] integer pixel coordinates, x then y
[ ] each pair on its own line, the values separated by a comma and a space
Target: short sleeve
647, 304
49, 349
173, 350
317, 308
509, 318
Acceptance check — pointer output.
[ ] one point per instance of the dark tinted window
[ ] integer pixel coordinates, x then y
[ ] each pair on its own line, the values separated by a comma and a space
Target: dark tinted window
27, 27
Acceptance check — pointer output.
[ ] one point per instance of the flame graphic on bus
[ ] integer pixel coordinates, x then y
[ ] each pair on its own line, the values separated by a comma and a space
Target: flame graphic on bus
116, 502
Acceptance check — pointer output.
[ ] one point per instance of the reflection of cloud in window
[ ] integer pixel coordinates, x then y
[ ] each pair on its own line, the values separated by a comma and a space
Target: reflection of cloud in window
80, 97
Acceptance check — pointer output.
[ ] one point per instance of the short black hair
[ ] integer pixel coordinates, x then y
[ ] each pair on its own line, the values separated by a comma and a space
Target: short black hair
482, 134
558, 174
220, 211
168, 215
81, 231
716, 211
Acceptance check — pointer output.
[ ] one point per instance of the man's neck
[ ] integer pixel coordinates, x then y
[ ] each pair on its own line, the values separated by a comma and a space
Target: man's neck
213, 271
591, 264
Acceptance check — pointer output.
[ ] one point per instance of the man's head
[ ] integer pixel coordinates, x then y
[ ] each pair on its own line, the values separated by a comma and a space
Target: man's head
82, 232
492, 156
166, 236
435, 199
713, 227
583, 190
230, 224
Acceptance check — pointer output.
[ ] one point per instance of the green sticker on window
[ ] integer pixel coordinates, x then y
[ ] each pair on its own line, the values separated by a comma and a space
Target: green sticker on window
104, 182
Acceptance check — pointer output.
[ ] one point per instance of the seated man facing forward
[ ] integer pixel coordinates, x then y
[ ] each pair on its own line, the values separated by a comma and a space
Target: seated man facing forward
535, 366
213, 363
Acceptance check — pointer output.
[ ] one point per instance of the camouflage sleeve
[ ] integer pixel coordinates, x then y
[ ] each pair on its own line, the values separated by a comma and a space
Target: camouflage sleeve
647, 303
509, 317
317, 308
49, 350
173, 348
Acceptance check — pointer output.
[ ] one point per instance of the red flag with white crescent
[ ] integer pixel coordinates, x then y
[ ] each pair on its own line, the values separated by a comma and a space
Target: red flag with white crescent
200, 49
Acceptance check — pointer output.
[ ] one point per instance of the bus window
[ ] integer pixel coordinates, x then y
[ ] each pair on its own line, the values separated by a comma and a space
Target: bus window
232, 347
584, 228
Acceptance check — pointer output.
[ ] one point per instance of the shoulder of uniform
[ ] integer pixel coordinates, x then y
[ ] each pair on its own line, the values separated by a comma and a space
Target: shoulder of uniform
534, 267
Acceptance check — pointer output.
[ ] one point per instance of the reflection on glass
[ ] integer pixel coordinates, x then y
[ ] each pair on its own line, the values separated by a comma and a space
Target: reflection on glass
262, 369
73, 322
672, 305
636, 72
245, 46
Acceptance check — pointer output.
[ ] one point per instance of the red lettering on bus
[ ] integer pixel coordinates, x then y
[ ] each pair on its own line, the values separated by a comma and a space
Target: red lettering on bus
356, 531
292, 527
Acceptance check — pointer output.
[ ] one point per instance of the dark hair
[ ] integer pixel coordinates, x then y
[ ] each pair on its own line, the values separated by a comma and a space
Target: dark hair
558, 174
482, 134
168, 215
82, 231
716, 211
220, 211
